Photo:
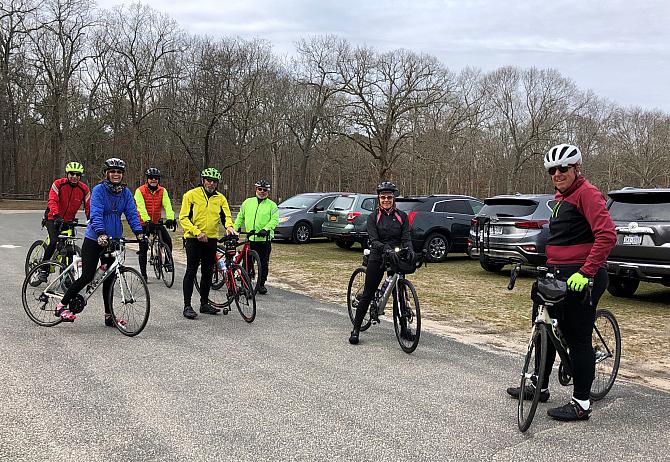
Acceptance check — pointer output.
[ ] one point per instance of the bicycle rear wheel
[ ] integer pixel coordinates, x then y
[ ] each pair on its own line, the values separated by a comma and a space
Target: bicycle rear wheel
252, 265
606, 339
40, 298
532, 375
407, 316
354, 292
35, 255
245, 298
129, 301
167, 264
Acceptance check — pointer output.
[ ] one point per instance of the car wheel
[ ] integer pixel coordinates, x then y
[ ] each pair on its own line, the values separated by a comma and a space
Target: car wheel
302, 233
437, 246
621, 286
344, 244
490, 266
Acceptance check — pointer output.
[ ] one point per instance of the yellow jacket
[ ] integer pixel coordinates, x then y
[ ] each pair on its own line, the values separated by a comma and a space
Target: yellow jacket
200, 213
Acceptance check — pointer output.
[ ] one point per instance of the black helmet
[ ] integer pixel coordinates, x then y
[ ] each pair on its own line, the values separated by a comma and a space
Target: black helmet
262, 184
153, 171
115, 163
387, 186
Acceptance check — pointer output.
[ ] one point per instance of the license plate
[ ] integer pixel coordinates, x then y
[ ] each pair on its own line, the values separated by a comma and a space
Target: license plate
632, 239
332, 217
496, 230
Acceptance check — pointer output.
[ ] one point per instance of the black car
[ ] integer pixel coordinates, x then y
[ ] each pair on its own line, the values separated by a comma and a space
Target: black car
642, 251
440, 223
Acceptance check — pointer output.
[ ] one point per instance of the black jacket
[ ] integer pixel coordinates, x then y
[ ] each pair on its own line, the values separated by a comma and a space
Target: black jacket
387, 228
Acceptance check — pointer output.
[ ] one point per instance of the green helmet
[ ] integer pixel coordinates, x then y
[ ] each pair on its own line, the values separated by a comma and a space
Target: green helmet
212, 173
74, 167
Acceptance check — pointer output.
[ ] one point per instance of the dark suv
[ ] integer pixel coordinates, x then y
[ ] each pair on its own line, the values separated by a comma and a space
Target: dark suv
642, 251
511, 229
440, 223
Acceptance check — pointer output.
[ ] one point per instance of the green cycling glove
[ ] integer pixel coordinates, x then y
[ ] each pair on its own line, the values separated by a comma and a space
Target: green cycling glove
577, 282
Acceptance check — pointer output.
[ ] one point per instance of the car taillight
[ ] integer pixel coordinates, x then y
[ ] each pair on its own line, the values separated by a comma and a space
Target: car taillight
351, 216
531, 224
410, 217
473, 222
529, 248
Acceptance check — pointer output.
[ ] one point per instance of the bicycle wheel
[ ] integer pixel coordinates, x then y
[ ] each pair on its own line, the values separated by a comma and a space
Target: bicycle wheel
354, 292
167, 264
606, 339
252, 265
156, 259
35, 255
129, 301
245, 298
219, 295
532, 375
39, 298
407, 316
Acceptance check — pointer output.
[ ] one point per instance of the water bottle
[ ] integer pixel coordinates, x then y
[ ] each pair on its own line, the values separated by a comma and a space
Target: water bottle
386, 284
99, 273
77, 266
221, 263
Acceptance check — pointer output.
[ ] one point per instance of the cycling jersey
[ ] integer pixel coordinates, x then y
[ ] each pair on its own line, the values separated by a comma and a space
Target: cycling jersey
256, 215
65, 199
387, 227
150, 204
581, 231
201, 212
106, 209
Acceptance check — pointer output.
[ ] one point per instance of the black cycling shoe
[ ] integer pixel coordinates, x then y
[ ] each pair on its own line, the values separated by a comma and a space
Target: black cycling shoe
262, 290
208, 309
529, 391
569, 412
353, 338
407, 335
189, 312
43, 276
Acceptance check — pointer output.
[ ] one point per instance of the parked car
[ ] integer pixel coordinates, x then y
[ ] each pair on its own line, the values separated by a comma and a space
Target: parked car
439, 223
346, 219
511, 229
642, 251
301, 216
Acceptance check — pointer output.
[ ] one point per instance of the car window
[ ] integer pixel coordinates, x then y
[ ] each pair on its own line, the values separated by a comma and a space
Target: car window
369, 204
324, 203
453, 206
301, 201
476, 206
508, 207
407, 205
629, 211
342, 203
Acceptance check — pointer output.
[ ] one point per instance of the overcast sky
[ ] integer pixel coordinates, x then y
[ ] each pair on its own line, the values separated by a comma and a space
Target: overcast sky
618, 48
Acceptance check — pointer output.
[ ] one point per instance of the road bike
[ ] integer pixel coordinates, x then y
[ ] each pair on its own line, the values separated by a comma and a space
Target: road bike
548, 294
65, 247
129, 309
160, 255
406, 310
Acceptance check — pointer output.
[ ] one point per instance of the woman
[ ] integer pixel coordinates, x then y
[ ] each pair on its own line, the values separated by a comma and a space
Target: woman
109, 200
387, 228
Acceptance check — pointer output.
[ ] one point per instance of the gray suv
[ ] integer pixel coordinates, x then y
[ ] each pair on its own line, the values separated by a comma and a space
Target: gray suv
511, 229
346, 219
642, 251
301, 216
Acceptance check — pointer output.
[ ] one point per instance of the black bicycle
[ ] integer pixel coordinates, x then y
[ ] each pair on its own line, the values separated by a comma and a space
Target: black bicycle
551, 292
160, 255
65, 247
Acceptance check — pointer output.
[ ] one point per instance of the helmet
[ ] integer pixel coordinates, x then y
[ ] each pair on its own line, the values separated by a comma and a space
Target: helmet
562, 155
262, 184
152, 171
74, 167
115, 163
210, 172
387, 186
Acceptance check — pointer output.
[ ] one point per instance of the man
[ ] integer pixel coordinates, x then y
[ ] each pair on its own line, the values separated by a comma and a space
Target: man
581, 236
203, 211
151, 199
259, 214
65, 199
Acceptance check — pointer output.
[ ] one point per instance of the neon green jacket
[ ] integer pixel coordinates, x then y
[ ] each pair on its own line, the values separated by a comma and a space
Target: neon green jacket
257, 215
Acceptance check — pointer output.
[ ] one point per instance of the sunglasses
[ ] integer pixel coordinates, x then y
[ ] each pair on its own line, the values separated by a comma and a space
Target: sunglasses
153, 178
385, 198
120, 172
211, 180
262, 189
74, 173
562, 169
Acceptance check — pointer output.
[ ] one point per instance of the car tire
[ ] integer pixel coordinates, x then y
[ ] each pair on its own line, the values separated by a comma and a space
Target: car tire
621, 286
437, 246
344, 244
490, 266
302, 233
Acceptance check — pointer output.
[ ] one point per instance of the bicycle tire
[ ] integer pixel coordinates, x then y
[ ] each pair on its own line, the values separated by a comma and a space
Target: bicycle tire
244, 295
252, 265
39, 307
167, 265
525, 414
156, 260
35, 255
607, 348
407, 316
127, 320
354, 290
218, 291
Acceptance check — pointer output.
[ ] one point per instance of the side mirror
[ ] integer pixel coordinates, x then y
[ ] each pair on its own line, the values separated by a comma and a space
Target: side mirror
319, 209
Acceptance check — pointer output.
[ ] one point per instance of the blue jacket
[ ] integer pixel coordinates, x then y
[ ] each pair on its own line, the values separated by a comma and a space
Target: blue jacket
106, 210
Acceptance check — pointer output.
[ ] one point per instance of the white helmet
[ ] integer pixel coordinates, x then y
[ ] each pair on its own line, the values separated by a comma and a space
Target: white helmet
562, 155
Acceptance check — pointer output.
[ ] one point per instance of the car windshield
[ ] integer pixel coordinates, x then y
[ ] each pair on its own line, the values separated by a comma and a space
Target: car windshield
301, 201
508, 207
641, 208
342, 203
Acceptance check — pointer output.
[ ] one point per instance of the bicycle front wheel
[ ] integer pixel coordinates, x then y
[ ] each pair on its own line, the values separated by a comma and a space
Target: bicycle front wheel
39, 296
219, 295
35, 255
156, 258
354, 292
245, 298
167, 265
129, 301
532, 376
407, 316
606, 339
252, 265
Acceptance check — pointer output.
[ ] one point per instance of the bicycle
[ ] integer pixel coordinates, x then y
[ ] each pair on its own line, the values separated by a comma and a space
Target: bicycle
39, 303
406, 310
160, 256
65, 247
550, 292
234, 278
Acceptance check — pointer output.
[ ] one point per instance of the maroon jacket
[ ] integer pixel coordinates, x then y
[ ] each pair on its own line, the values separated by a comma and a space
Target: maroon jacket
65, 199
581, 230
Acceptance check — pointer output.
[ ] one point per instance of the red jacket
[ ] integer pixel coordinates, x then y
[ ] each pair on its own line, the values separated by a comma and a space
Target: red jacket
65, 199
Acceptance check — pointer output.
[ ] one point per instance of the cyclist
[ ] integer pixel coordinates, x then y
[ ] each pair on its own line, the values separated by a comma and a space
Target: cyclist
109, 200
203, 210
151, 199
387, 228
581, 235
260, 215
65, 198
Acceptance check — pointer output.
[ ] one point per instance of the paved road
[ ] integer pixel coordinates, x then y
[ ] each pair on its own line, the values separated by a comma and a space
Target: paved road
287, 387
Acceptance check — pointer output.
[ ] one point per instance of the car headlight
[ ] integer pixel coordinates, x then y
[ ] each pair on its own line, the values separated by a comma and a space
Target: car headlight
284, 219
